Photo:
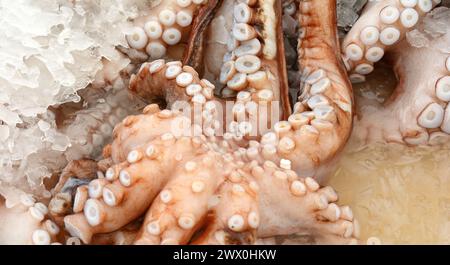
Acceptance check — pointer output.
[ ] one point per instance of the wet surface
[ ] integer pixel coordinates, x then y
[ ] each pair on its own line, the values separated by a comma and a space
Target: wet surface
399, 194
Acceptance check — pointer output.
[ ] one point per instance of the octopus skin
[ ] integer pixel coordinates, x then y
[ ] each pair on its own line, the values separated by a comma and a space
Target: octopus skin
417, 113
89, 129
382, 25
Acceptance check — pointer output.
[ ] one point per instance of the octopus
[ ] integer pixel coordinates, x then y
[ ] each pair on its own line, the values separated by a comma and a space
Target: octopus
222, 154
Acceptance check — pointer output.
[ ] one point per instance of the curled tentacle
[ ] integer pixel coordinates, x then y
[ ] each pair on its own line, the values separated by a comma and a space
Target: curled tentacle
323, 115
164, 31
379, 29
424, 87
168, 82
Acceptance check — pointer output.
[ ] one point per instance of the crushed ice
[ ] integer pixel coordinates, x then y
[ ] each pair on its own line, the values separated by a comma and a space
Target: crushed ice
49, 50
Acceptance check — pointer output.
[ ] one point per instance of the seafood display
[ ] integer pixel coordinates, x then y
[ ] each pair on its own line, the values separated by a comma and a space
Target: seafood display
226, 121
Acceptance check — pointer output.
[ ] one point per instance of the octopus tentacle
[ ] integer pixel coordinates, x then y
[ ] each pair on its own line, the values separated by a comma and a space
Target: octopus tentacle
244, 60
132, 186
164, 30
179, 87
132, 175
179, 82
316, 213
380, 28
143, 174
426, 120
30, 217
321, 121
182, 205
